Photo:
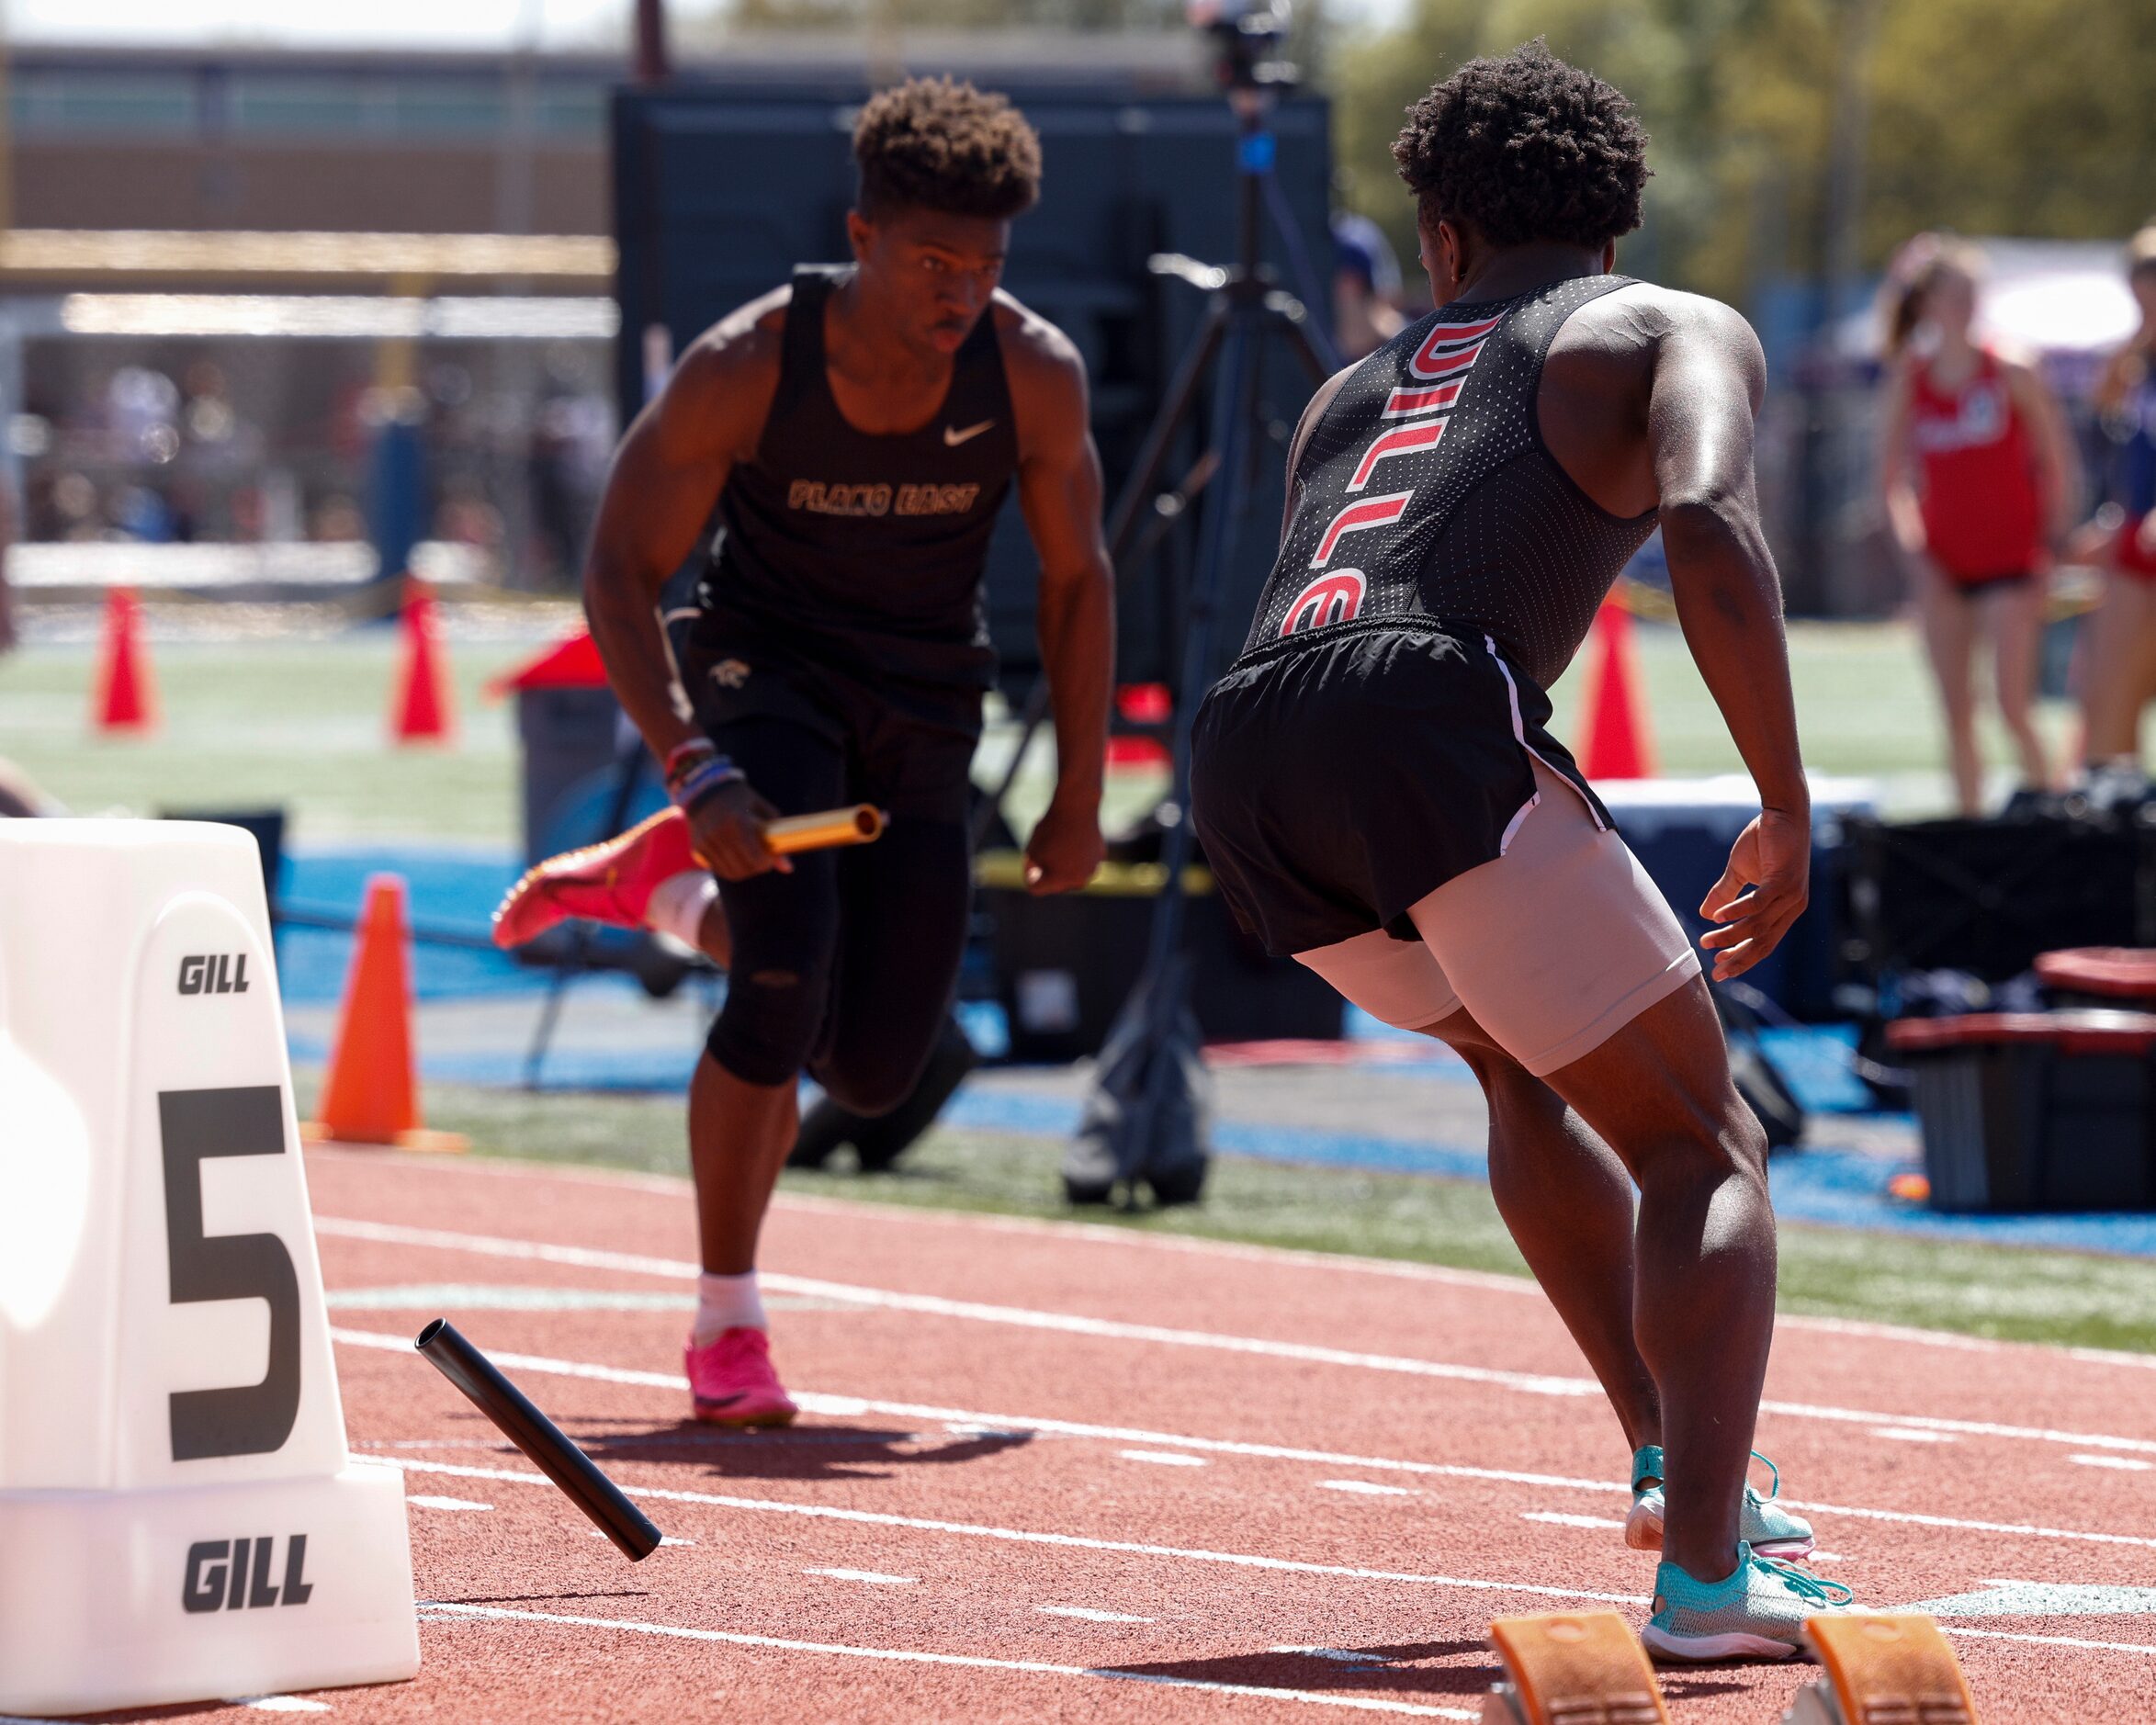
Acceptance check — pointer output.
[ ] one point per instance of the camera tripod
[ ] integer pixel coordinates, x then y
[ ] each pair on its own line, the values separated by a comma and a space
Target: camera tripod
1145, 1120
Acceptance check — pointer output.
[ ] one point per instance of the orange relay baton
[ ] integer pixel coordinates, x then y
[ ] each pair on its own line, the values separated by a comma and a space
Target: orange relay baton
863, 823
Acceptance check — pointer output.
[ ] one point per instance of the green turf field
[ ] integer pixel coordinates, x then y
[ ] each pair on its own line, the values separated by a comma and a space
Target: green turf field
303, 722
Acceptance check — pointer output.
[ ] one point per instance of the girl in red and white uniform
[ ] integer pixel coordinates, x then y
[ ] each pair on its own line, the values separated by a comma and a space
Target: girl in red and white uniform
2121, 672
1979, 480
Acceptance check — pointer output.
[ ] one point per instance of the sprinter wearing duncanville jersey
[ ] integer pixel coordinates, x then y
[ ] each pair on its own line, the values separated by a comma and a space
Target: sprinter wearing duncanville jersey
1384, 733
1380, 795
1380, 732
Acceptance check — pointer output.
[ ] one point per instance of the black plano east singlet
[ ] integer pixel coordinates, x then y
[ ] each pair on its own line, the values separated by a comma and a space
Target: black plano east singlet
861, 552
1426, 497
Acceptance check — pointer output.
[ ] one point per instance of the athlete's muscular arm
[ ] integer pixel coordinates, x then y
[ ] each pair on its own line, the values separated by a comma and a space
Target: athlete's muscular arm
1897, 490
659, 492
1059, 492
2058, 471
1707, 381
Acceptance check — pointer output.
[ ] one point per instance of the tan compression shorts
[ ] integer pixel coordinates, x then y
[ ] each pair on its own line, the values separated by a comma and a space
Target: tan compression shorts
1553, 947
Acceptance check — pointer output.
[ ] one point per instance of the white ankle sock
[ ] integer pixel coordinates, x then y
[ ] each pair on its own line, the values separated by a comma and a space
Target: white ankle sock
678, 904
726, 1302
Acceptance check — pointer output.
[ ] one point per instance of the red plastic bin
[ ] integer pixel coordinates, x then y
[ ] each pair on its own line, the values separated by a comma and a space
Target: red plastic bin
2107, 975
2034, 1110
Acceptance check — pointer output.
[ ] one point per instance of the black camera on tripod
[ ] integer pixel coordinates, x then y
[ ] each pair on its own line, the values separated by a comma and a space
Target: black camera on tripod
1247, 35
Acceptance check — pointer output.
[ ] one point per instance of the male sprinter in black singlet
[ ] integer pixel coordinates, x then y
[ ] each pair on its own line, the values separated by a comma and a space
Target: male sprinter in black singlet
857, 432
1379, 796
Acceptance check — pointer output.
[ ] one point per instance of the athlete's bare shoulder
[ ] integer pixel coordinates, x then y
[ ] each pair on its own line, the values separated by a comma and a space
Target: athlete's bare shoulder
1044, 370
721, 391
1626, 336
745, 345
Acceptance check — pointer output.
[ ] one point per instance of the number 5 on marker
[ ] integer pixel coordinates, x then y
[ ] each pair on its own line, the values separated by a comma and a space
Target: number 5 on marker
243, 1121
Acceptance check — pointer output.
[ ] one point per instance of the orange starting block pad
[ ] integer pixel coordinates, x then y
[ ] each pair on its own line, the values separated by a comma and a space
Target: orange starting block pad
1585, 1668
1882, 1670
180, 1516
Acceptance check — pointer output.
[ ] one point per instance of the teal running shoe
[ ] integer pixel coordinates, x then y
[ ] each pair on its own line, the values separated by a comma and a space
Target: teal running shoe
1761, 1524
1757, 1611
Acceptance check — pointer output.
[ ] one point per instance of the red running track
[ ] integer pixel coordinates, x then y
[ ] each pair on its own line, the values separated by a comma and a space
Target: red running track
1064, 1472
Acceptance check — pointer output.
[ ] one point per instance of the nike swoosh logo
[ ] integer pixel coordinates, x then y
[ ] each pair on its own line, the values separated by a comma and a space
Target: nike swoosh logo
953, 436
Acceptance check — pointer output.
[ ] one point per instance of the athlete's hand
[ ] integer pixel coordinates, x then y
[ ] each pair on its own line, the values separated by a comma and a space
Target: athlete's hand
726, 831
1066, 847
1772, 857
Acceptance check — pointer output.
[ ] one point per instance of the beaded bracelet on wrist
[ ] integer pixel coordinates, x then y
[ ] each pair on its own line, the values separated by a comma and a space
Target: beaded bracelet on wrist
701, 780
684, 756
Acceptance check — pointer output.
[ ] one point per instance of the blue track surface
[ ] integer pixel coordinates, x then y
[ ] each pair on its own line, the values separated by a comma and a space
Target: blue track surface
455, 890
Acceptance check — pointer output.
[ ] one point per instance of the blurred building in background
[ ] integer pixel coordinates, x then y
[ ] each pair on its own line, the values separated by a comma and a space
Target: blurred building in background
325, 304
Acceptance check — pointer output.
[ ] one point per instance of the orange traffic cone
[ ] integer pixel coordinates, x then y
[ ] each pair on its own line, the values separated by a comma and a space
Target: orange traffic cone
421, 713
371, 1094
127, 697
1615, 743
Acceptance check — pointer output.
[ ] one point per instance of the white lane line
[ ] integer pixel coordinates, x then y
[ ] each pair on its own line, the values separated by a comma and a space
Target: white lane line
873, 1578
850, 1407
1089, 1614
1071, 1324
1365, 1488
1336, 1655
1367, 1704
1017, 1536
1162, 1458
1103, 1234
664, 1538
2050, 1640
1909, 1434
1558, 1519
2123, 1464
278, 1703
425, 1501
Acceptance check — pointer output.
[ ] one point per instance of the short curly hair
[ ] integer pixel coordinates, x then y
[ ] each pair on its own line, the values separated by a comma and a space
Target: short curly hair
933, 144
1523, 148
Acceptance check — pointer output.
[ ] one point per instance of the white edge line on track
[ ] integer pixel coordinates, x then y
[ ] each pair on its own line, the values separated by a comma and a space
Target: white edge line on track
1019, 1535
2051, 1640
1025, 1317
1368, 1704
845, 1405
1105, 1233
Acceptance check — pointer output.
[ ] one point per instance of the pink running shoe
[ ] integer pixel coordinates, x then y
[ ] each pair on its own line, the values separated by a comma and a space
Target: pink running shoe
610, 882
733, 1383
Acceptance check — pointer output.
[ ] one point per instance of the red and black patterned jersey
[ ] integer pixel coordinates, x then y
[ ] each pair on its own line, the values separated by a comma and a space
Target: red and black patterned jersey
1425, 497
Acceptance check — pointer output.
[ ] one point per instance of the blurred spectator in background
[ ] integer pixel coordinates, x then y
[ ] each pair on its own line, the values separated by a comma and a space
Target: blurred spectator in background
337, 520
466, 517
1979, 480
18, 797
1366, 288
7, 535
76, 513
2120, 671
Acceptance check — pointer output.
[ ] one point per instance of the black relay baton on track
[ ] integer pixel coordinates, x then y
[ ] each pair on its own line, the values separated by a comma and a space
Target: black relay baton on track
540, 1439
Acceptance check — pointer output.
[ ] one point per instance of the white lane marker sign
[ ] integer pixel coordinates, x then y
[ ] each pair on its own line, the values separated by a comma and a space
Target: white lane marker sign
180, 1518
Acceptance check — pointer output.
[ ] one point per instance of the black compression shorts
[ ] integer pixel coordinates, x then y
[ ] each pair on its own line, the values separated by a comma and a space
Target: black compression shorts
846, 966
1338, 778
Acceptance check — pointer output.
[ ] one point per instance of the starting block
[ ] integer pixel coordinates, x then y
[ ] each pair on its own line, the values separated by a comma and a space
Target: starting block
1882, 1670
1585, 1668
180, 1518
